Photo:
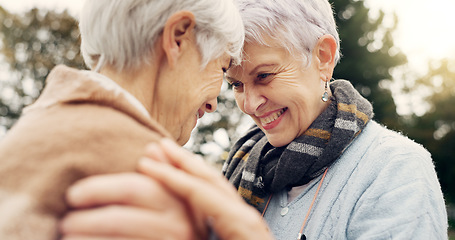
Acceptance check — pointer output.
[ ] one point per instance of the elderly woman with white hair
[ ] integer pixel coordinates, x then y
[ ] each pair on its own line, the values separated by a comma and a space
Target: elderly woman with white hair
158, 66
316, 164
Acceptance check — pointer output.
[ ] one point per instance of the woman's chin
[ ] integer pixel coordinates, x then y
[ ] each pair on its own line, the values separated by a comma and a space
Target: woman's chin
277, 141
182, 140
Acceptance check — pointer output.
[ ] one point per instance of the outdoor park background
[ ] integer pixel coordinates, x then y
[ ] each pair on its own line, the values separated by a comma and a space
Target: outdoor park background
398, 54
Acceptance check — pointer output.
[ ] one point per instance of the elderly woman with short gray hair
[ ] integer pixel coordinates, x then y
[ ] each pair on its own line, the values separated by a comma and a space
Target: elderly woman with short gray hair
315, 164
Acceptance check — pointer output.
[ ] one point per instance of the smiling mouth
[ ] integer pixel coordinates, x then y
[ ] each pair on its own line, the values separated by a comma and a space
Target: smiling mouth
272, 117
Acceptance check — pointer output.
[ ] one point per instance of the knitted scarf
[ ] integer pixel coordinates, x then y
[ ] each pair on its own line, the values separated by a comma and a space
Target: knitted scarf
258, 169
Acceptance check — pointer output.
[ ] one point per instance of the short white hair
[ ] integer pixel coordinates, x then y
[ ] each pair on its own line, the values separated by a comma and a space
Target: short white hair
122, 32
295, 25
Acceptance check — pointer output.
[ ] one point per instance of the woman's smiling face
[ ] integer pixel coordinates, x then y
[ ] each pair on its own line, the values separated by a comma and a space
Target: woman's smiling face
280, 93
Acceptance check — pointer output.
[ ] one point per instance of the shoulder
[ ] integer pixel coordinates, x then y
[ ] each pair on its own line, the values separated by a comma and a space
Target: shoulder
397, 167
387, 166
384, 146
380, 136
91, 121
390, 157
380, 160
395, 184
79, 128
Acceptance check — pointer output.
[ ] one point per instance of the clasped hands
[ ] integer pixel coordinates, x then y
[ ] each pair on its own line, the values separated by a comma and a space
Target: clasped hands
174, 195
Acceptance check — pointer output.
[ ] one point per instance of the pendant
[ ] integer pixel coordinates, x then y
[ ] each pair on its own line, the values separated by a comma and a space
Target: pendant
301, 236
325, 97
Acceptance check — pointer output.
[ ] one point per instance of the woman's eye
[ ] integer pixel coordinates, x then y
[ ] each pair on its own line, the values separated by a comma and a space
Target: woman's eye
236, 84
263, 75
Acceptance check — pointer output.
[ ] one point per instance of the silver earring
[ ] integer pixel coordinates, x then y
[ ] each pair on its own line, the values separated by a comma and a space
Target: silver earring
325, 95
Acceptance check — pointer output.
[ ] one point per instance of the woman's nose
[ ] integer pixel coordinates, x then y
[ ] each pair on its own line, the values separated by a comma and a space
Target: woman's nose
253, 101
210, 106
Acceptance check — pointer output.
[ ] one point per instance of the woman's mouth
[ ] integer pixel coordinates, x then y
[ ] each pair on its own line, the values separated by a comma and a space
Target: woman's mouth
271, 120
200, 113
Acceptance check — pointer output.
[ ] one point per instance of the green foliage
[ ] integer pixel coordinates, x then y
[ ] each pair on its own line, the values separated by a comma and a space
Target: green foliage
368, 56
31, 45
436, 128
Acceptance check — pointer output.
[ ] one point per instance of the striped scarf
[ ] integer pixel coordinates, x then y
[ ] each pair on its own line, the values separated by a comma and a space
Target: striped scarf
258, 169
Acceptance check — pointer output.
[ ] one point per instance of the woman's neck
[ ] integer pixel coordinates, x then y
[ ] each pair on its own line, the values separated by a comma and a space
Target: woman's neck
140, 83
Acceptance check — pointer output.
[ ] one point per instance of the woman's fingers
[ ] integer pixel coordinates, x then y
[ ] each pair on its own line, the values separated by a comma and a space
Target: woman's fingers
207, 192
183, 185
125, 221
128, 205
168, 151
124, 188
155, 152
231, 217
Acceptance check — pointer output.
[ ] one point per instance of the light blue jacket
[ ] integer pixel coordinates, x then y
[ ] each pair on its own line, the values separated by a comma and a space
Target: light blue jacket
384, 186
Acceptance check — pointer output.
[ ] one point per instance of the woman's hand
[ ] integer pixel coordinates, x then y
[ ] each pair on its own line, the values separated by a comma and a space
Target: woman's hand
126, 206
208, 194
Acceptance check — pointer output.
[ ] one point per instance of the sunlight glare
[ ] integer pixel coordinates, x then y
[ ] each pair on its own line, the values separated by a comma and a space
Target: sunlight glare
429, 28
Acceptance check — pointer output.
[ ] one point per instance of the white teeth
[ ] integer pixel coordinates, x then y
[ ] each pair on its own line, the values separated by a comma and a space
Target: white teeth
272, 117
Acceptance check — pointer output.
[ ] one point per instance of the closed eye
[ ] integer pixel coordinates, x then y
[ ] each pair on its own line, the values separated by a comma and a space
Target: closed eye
263, 75
236, 85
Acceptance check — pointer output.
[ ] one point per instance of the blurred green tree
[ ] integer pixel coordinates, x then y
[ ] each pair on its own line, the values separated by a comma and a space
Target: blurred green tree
436, 128
368, 56
31, 44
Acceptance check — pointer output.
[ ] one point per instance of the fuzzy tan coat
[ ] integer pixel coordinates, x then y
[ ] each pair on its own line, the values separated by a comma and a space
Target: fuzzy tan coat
81, 125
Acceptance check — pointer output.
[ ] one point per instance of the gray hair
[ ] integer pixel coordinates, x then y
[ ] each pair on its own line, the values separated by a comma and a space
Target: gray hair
122, 32
295, 25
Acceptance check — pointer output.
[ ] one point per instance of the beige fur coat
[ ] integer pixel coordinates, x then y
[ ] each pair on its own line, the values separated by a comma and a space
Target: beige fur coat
82, 124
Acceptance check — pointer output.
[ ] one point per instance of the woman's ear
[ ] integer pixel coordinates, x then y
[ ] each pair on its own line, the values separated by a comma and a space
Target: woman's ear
177, 30
325, 52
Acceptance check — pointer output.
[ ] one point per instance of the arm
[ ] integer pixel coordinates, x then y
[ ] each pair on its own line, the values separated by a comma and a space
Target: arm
133, 206
207, 193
